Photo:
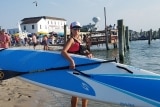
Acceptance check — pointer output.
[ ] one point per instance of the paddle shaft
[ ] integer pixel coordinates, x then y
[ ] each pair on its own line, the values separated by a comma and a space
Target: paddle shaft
6, 74
79, 65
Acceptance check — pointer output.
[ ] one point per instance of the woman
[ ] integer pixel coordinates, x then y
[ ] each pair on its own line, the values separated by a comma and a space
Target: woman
73, 46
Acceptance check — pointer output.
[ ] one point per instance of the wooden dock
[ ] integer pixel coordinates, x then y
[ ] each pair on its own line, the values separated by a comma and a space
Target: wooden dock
100, 38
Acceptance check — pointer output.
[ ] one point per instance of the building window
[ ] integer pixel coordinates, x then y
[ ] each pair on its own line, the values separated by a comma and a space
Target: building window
40, 27
32, 26
24, 28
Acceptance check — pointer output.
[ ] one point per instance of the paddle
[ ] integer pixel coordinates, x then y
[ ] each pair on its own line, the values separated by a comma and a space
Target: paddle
6, 74
78, 72
1, 49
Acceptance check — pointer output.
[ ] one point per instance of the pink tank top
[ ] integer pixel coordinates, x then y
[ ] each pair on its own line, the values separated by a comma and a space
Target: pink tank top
74, 47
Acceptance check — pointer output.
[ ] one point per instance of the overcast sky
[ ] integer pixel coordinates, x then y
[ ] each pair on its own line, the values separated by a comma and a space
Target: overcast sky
136, 14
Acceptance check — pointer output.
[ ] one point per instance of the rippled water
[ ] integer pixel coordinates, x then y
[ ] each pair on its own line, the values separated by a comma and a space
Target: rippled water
140, 54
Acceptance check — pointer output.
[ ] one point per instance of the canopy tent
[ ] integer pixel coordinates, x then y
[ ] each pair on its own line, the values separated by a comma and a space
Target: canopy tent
16, 34
52, 33
60, 34
42, 32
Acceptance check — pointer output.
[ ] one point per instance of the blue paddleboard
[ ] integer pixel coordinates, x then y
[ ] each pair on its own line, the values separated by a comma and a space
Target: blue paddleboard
96, 79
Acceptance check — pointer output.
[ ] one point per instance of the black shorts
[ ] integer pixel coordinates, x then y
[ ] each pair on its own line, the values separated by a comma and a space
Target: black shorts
34, 44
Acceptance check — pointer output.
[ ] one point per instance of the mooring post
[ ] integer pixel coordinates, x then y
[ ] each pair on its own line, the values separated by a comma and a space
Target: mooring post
124, 37
127, 38
121, 41
150, 37
159, 33
65, 34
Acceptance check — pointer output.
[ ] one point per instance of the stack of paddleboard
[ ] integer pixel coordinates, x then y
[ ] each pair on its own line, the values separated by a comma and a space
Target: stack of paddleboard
95, 79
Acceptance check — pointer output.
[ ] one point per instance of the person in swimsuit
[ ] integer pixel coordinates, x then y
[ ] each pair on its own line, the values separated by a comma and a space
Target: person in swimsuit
4, 39
34, 40
73, 46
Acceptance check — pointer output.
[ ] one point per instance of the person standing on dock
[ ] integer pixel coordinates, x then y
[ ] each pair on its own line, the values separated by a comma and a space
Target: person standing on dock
4, 39
73, 46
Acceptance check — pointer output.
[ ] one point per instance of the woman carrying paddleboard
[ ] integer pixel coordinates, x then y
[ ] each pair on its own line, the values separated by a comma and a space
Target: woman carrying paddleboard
73, 46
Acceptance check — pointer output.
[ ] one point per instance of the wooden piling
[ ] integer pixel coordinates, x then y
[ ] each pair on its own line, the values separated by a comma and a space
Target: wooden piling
159, 33
121, 41
127, 38
124, 38
106, 33
65, 34
150, 37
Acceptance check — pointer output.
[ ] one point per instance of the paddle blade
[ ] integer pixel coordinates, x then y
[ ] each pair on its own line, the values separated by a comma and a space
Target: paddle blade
7, 74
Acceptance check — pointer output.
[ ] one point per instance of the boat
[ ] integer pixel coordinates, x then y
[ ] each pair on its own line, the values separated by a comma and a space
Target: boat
95, 79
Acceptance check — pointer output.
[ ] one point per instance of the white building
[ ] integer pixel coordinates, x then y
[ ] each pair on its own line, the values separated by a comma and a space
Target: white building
43, 24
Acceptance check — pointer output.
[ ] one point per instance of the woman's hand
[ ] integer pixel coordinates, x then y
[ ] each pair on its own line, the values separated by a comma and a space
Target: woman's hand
72, 65
89, 55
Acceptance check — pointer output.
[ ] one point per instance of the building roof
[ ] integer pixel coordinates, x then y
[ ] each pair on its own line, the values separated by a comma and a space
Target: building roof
36, 19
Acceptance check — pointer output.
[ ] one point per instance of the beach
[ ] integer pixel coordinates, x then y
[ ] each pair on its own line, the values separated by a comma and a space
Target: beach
18, 93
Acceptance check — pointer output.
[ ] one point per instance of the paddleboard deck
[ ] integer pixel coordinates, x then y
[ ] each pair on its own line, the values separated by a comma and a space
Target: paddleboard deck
108, 82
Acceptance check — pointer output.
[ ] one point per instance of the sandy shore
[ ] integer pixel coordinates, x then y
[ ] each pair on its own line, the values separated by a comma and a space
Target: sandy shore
17, 93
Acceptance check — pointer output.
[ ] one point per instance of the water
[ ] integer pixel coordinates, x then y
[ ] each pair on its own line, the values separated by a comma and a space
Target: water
140, 54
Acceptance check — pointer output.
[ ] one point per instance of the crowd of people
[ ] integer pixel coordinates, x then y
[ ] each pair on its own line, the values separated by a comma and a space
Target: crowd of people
7, 40
34, 40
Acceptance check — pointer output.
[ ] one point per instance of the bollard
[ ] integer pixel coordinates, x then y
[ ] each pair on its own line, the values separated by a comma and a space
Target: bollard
121, 41
127, 38
150, 36
65, 34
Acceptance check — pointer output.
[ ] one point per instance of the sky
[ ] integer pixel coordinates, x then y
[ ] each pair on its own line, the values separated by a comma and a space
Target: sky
136, 14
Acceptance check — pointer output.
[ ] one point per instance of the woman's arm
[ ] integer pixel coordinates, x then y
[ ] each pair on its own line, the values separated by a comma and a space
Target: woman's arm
64, 52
